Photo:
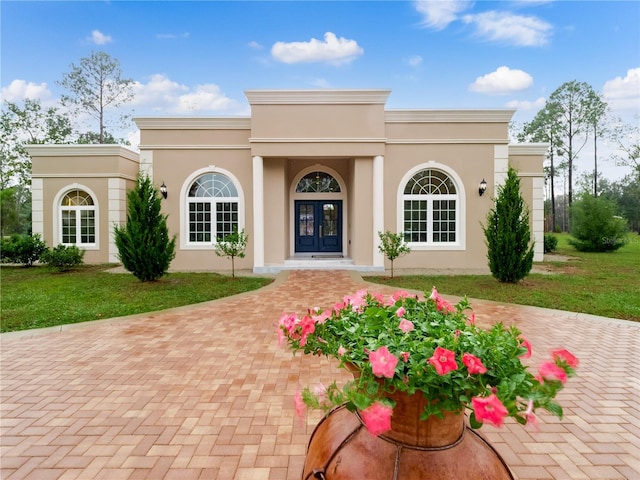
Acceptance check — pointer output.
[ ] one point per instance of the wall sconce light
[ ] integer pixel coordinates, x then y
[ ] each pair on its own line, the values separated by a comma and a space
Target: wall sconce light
483, 187
163, 190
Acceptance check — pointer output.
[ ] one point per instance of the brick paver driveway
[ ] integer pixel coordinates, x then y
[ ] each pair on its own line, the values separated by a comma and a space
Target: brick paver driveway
204, 393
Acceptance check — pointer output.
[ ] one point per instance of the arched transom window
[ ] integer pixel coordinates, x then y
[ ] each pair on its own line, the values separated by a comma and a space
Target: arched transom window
212, 208
318, 182
431, 203
77, 219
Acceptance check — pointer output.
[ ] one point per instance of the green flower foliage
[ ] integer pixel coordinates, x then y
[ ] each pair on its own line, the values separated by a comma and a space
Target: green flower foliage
414, 331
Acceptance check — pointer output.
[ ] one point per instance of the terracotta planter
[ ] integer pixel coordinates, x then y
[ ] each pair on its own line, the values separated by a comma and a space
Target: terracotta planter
341, 448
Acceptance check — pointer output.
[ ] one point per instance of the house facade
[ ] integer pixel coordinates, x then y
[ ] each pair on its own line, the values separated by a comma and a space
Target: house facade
311, 176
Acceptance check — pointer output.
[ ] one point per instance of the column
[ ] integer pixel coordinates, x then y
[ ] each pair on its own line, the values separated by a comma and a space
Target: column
258, 212
378, 208
500, 166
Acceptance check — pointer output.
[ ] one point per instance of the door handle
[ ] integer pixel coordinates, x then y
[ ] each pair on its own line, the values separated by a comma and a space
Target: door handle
320, 231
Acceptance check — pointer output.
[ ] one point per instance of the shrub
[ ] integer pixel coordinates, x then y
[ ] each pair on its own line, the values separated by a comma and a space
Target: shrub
550, 242
24, 249
63, 257
144, 246
594, 225
233, 245
507, 233
392, 245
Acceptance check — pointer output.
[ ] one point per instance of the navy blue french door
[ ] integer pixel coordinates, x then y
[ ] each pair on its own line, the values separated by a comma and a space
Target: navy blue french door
318, 225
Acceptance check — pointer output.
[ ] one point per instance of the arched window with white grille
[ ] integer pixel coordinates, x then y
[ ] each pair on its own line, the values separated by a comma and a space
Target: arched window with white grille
431, 208
77, 219
212, 208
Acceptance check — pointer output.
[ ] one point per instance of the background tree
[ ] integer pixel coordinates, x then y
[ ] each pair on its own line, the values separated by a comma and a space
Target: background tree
544, 128
15, 210
571, 115
94, 85
507, 233
392, 245
144, 246
232, 246
24, 125
596, 117
626, 138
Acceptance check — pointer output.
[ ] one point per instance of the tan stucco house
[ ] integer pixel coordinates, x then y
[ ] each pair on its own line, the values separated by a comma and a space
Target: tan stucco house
310, 175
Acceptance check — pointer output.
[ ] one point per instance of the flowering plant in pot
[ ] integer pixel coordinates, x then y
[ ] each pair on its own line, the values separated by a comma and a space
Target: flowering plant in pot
403, 344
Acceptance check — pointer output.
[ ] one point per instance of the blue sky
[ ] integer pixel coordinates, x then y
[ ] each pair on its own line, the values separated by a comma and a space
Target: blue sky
197, 58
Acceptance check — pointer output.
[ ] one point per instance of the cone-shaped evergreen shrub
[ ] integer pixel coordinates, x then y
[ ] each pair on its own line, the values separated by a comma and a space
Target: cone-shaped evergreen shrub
507, 233
144, 246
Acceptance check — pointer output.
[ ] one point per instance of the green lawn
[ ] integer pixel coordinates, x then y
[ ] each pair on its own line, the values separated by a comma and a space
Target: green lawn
37, 297
606, 284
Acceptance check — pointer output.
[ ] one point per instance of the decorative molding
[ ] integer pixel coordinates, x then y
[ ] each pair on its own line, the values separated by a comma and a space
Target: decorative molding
318, 140
75, 150
316, 97
194, 147
430, 141
72, 176
193, 123
449, 116
528, 148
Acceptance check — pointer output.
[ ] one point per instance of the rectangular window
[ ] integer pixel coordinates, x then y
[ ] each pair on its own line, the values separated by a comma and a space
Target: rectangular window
200, 222
415, 214
68, 226
444, 225
226, 219
87, 226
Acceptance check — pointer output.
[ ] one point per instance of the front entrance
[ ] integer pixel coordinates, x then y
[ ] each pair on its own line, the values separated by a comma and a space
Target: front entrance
318, 225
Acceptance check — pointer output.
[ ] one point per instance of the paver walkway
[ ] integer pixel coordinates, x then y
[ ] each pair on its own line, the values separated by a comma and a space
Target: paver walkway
204, 393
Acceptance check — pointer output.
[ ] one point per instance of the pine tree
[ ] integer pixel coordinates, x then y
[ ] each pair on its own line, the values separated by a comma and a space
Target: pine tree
507, 233
144, 246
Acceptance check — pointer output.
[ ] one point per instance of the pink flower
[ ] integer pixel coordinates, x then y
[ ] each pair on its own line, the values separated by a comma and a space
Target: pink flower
530, 416
300, 407
399, 295
322, 317
472, 319
307, 326
551, 371
473, 364
341, 351
320, 391
401, 312
489, 409
405, 356
443, 361
525, 343
441, 304
405, 325
377, 418
383, 363
565, 356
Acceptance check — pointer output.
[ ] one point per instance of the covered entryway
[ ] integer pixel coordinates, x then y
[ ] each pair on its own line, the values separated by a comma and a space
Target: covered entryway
318, 226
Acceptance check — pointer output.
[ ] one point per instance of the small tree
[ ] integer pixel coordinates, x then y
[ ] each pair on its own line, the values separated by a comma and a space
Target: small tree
595, 227
144, 246
507, 233
232, 246
392, 245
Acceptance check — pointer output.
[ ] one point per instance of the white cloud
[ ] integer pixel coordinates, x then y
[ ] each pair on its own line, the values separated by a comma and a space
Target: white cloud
100, 38
18, 90
624, 93
519, 30
334, 50
321, 83
414, 60
502, 82
164, 96
438, 14
527, 104
255, 45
